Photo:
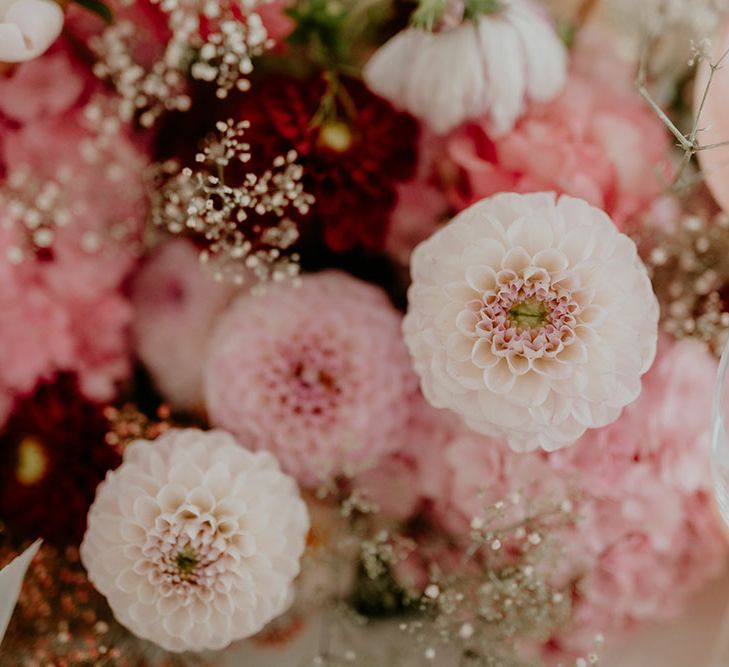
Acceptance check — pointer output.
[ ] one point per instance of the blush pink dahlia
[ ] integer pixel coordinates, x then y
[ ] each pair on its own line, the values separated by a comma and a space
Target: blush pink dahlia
491, 64
531, 317
194, 540
318, 374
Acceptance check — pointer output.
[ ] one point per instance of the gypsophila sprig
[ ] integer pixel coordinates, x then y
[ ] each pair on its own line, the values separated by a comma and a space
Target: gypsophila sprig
36, 209
213, 42
690, 273
39, 210
245, 226
500, 593
147, 92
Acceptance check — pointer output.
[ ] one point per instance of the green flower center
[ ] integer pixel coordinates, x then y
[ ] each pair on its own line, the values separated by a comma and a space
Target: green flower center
186, 562
529, 314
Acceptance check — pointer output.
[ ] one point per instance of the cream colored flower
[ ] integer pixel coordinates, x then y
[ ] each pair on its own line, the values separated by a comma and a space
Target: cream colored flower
194, 540
491, 64
532, 317
28, 28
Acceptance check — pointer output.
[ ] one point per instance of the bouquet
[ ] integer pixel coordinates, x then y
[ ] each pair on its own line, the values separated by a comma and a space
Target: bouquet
390, 324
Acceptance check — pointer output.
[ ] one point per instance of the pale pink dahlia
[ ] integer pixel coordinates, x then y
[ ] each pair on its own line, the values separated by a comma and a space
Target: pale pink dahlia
194, 540
176, 304
318, 374
532, 317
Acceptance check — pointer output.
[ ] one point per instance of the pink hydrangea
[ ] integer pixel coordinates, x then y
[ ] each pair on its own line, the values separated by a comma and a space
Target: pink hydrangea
317, 374
176, 304
649, 536
597, 141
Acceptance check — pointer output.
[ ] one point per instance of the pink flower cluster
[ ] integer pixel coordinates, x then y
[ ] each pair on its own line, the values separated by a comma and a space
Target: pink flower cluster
597, 141
61, 306
647, 537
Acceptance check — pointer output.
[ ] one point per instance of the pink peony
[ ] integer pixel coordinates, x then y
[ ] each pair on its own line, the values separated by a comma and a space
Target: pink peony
319, 374
175, 307
595, 141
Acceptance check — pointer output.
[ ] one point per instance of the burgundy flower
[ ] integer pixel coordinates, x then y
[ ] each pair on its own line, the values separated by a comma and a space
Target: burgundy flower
354, 151
52, 457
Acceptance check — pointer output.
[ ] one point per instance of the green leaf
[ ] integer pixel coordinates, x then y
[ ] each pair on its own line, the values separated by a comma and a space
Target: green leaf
319, 26
476, 8
428, 14
99, 8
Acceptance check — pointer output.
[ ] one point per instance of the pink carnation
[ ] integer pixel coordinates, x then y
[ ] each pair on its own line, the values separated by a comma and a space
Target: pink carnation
45, 86
175, 307
414, 472
62, 305
421, 203
319, 374
649, 536
595, 141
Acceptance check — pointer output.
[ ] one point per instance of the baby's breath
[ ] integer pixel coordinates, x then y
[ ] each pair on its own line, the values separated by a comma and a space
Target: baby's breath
245, 225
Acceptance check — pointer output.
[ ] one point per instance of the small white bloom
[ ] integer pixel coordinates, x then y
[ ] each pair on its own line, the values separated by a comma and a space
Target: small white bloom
194, 540
28, 28
531, 317
490, 64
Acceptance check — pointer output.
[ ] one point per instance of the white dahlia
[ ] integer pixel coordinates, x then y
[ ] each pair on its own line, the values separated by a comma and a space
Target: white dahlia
194, 540
492, 63
532, 317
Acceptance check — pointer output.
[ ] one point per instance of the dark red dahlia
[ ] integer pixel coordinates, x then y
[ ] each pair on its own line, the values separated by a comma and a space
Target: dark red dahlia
354, 147
52, 457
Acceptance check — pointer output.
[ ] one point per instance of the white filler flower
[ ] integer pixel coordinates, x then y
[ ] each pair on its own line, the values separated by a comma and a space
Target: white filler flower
491, 64
194, 540
28, 28
532, 317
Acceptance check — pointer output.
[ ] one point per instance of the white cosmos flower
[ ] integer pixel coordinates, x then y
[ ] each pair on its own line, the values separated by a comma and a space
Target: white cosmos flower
492, 64
532, 317
194, 540
28, 28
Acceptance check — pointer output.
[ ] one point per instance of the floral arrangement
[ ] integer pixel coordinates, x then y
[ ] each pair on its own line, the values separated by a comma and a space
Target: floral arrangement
328, 318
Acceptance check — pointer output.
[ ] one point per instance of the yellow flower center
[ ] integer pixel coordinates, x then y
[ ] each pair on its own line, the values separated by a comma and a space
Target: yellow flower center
336, 136
529, 314
32, 462
186, 562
